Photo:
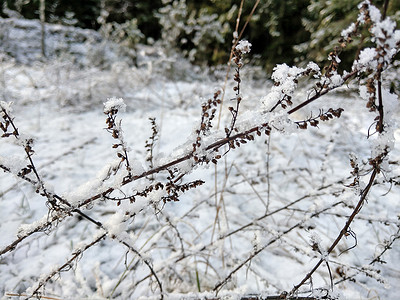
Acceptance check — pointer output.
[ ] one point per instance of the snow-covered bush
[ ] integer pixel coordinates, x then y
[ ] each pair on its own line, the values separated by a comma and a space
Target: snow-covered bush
196, 32
21, 39
127, 34
326, 19
307, 208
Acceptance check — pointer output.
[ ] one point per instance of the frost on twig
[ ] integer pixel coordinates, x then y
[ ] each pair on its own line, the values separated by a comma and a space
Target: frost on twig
285, 83
150, 144
241, 48
111, 108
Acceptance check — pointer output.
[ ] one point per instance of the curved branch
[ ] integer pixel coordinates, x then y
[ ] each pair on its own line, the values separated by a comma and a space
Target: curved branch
66, 266
342, 233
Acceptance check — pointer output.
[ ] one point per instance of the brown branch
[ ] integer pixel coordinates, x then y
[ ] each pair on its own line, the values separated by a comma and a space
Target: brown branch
247, 20
268, 214
385, 7
277, 238
378, 259
258, 251
39, 228
343, 232
319, 94
66, 266
235, 42
31, 167
376, 164
25, 295
386, 247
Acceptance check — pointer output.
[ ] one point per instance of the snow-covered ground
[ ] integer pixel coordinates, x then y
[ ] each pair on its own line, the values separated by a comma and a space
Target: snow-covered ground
262, 206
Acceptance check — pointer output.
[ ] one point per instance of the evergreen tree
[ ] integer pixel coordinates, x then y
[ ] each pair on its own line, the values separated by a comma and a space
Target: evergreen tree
325, 19
68, 12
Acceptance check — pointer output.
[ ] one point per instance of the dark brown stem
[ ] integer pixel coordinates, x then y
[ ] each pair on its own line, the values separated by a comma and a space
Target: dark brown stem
247, 20
39, 228
342, 233
258, 251
319, 94
147, 264
235, 42
29, 152
379, 127
380, 105
385, 7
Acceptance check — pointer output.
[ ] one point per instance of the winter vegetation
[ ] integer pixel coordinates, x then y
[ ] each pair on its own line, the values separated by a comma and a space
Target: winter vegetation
136, 166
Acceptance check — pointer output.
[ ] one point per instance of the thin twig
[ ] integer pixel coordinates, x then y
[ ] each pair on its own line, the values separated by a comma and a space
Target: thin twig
230, 62
272, 241
342, 233
66, 266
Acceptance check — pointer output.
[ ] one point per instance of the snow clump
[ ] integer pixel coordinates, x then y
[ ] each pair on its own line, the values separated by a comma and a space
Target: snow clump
285, 79
243, 46
114, 104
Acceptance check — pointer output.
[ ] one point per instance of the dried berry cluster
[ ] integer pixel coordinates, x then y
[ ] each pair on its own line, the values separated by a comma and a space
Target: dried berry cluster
30, 167
334, 61
29, 151
237, 59
384, 46
355, 172
286, 100
208, 110
132, 198
364, 10
150, 143
370, 82
5, 124
173, 189
371, 89
242, 140
314, 121
27, 143
115, 129
333, 56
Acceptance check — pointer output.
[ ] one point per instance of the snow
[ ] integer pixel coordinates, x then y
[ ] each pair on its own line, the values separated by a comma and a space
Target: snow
114, 103
367, 60
93, 186
286, 79
269, 187
6, 107
86, 47
243, 46
384, 35
115, 224
336, 80
346, 32
374, 13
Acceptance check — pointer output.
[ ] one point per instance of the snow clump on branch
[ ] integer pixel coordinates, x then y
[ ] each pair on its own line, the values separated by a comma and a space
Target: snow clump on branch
114, 104
285, 82
243, 46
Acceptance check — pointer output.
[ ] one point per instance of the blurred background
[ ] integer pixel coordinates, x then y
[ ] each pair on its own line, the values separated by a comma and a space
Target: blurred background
292, 31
